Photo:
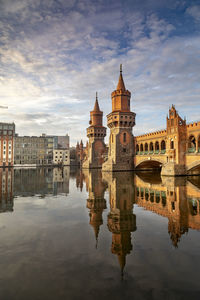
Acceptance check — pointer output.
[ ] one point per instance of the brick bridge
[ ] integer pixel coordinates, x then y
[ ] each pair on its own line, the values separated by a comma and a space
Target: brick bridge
176, 150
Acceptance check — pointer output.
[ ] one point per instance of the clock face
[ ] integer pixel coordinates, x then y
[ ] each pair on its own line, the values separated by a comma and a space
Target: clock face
125, 137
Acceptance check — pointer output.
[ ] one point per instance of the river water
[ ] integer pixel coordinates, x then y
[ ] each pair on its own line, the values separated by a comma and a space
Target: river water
72, 234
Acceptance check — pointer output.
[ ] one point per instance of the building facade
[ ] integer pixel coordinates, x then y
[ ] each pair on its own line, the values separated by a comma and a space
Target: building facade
175, 150
37, 151
7, 133
61, 157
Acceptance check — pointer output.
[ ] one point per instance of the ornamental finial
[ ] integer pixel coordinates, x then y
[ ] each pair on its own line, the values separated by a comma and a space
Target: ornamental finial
120, 68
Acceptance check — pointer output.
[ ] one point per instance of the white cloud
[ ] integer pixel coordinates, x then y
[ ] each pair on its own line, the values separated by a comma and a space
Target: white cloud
194, 11
51, 69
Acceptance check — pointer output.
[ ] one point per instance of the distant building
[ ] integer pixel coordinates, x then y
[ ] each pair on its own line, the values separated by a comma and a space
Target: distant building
61, 157
39, 151
63, 142
31, 150
7, 133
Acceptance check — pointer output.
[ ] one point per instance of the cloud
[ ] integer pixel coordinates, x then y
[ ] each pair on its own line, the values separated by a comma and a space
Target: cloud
55, 55
194, 11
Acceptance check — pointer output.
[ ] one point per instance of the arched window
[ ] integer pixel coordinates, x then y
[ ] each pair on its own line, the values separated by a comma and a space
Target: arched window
163, 145
151, 147
146, 147
137, 148
192, 144
171, 144
141, 148
157, 146
124, 137
199, 144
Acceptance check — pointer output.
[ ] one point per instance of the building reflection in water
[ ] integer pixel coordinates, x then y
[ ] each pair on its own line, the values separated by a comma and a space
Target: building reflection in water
95, 202
80, 177
175, 198
30, 182
121, 220
171, 197
6, 190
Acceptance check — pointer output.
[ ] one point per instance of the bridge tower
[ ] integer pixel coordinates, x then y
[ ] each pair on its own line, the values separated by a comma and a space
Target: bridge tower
176, 145
120, 121
96, 133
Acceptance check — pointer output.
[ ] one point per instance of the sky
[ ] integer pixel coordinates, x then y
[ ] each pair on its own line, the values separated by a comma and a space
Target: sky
55, 55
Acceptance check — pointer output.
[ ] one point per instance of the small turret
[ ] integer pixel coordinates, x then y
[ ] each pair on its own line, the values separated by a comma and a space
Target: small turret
96, 115
121, 96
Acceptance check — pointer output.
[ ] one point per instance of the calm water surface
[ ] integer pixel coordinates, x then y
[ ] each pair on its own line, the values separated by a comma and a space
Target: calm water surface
71, 234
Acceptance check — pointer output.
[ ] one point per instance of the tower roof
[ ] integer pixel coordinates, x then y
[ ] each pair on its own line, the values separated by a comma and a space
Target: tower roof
121, 85
96, 105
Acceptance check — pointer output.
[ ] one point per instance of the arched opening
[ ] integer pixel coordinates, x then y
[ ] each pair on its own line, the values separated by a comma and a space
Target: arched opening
146, 147
195, 170
149, 165
151, 147
163, 146
141, 148
156, 147
137, 149
191, 144
199, 144
171, 144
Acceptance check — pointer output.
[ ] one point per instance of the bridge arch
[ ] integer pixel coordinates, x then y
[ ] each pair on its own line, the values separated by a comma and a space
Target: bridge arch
194, 167
149, 164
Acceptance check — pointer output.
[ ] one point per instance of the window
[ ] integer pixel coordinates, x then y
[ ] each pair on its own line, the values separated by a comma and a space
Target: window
124, 137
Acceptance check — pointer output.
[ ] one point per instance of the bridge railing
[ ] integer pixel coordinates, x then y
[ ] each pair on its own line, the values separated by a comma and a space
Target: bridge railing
191, 150
154, 152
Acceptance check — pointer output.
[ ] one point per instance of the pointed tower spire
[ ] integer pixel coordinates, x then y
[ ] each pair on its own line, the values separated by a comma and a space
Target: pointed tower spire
121, 85
96, 105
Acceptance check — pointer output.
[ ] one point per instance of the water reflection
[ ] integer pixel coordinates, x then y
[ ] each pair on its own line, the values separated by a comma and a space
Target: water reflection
175, 198
95, 202
30, 182
121, 220
6, 190
49, 241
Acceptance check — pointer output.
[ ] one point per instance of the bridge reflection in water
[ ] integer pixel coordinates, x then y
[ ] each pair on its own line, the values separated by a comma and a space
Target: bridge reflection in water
175, 198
